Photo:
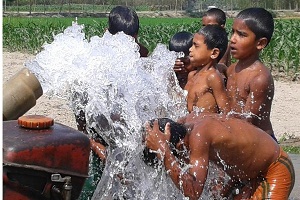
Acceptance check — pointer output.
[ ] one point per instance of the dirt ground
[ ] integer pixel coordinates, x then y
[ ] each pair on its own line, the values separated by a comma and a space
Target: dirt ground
285, 115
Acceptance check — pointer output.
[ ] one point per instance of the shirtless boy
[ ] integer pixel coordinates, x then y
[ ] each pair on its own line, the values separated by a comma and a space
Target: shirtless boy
216, 16
249, 156
182, 42
250, 84
123, 18
205, 86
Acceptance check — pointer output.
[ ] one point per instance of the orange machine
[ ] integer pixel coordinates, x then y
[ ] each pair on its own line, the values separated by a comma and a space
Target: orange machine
43, 159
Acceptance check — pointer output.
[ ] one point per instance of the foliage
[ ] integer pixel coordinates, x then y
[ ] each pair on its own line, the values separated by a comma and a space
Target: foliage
292, 149
289, 148
29, 34
283, 51
286, 137
189, 5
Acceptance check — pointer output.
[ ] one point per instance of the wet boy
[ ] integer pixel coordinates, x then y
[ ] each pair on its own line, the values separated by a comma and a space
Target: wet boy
123, 18
250, 157
205, 86
182, 42
214, 16
250, 83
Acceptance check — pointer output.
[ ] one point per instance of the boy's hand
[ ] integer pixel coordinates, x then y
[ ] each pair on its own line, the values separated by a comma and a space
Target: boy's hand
157, 140
179, 66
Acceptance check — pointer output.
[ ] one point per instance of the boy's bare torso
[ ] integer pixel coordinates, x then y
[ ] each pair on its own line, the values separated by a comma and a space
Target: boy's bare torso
199, 92
235, 153
251, 90
239, 158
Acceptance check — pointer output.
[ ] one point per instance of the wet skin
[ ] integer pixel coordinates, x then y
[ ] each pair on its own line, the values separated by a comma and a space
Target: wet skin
205, 86
225, 141
250, 84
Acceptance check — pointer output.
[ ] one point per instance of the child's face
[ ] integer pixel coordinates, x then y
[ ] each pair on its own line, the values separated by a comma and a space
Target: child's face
209, 20
199, 54
243, 43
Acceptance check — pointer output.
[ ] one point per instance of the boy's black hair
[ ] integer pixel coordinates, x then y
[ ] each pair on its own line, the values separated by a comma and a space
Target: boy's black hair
123, 18
219, 15
181, 42
259, 21
215, 37
178, 131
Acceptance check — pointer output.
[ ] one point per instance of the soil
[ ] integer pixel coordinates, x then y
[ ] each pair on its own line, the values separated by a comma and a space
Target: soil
285, 115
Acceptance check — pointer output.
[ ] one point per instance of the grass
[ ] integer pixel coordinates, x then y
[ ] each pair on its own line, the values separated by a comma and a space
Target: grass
292, 149
289, 148
29, 34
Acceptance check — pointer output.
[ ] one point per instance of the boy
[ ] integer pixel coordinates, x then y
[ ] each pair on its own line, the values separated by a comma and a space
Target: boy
205, 85
181, 42
227, 143
250, 83
214, 16
122, 18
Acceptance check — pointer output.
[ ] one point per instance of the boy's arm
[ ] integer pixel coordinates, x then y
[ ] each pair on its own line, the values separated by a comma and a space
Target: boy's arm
99, 149
190, 97
216, 83
261, 93
226, 59
189, 181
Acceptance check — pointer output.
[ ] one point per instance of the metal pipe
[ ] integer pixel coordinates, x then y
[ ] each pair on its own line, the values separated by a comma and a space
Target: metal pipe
67, 188
20, 93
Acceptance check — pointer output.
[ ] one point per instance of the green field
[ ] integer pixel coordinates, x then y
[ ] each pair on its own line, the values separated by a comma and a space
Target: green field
29, 34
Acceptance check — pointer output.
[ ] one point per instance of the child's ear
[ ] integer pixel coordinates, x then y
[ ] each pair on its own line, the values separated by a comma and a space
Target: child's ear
261, 43
215, 53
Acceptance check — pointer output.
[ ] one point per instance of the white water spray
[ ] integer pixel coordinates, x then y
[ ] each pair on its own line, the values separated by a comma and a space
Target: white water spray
107, 79
119, 92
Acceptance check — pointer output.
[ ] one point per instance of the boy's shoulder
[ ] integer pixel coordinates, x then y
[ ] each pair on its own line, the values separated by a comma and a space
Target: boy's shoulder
257, 72
259, 69
215, 72
208, 73
256, 66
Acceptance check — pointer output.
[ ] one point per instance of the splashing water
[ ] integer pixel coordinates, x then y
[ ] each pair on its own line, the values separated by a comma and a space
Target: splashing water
119, 92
